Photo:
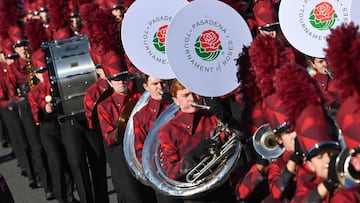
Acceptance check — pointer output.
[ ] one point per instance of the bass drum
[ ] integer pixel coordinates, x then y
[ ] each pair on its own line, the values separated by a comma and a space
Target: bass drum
154, 172
71, 72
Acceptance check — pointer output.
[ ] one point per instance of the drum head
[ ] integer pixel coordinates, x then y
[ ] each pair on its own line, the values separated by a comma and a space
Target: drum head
143, 34
203, 42
306, 24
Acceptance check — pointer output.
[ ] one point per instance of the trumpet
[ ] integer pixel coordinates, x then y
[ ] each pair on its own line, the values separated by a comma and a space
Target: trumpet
345, 171
265, 144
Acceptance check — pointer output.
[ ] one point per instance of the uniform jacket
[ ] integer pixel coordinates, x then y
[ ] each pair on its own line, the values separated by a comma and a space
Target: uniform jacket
281, 182
143, 120
327, 88
90, 97
351, 194
180, 136
36, 98
307, 182
251, 180
109, 112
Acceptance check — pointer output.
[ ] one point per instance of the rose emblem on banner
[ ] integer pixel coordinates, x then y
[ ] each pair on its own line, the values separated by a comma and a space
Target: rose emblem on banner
208, 45
323, 16
159, 39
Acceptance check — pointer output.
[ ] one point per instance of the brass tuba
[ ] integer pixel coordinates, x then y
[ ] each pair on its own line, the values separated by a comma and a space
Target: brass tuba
129, 149
209, 174
265, 144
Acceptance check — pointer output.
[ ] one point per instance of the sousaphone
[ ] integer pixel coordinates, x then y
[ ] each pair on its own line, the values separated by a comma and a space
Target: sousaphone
129, 145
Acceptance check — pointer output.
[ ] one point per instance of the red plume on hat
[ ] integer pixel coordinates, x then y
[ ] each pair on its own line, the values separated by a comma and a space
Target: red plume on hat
128, 3
103, 30
8, 49
17, 36
102, 4
115, 4
60, 19
304, 109
29, 6
253, 112
267, 55
343, 54
36, 34
38, 60
10, 12
87, 9
40, 6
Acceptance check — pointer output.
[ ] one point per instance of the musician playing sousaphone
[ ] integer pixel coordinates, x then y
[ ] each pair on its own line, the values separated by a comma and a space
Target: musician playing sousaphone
143, 120
185, 140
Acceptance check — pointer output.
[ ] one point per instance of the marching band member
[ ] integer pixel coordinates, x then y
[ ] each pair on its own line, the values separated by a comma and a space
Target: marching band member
36, 34
146, 116
72, 127
345, 67
20, 68
267, 54
324, 77
13, 123
185, 140
144, 119
93, 96
312, 125
49, 130
109, 110
255, 178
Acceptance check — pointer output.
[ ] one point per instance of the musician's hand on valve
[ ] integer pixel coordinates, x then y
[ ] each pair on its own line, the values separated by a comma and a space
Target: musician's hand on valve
204, 148
332, 180
298, 155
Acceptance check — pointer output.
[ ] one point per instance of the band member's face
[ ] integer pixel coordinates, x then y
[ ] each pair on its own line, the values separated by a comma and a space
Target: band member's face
288, 140
184, 98
355, 162
320, 65
156, 87
101, 73
40, 76
320, 163
120, 87
75, 22
268, 33
21, 51
118, 14
44, 16
9, 61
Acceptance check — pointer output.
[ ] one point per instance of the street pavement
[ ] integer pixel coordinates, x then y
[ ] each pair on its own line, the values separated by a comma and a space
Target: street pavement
19, 185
